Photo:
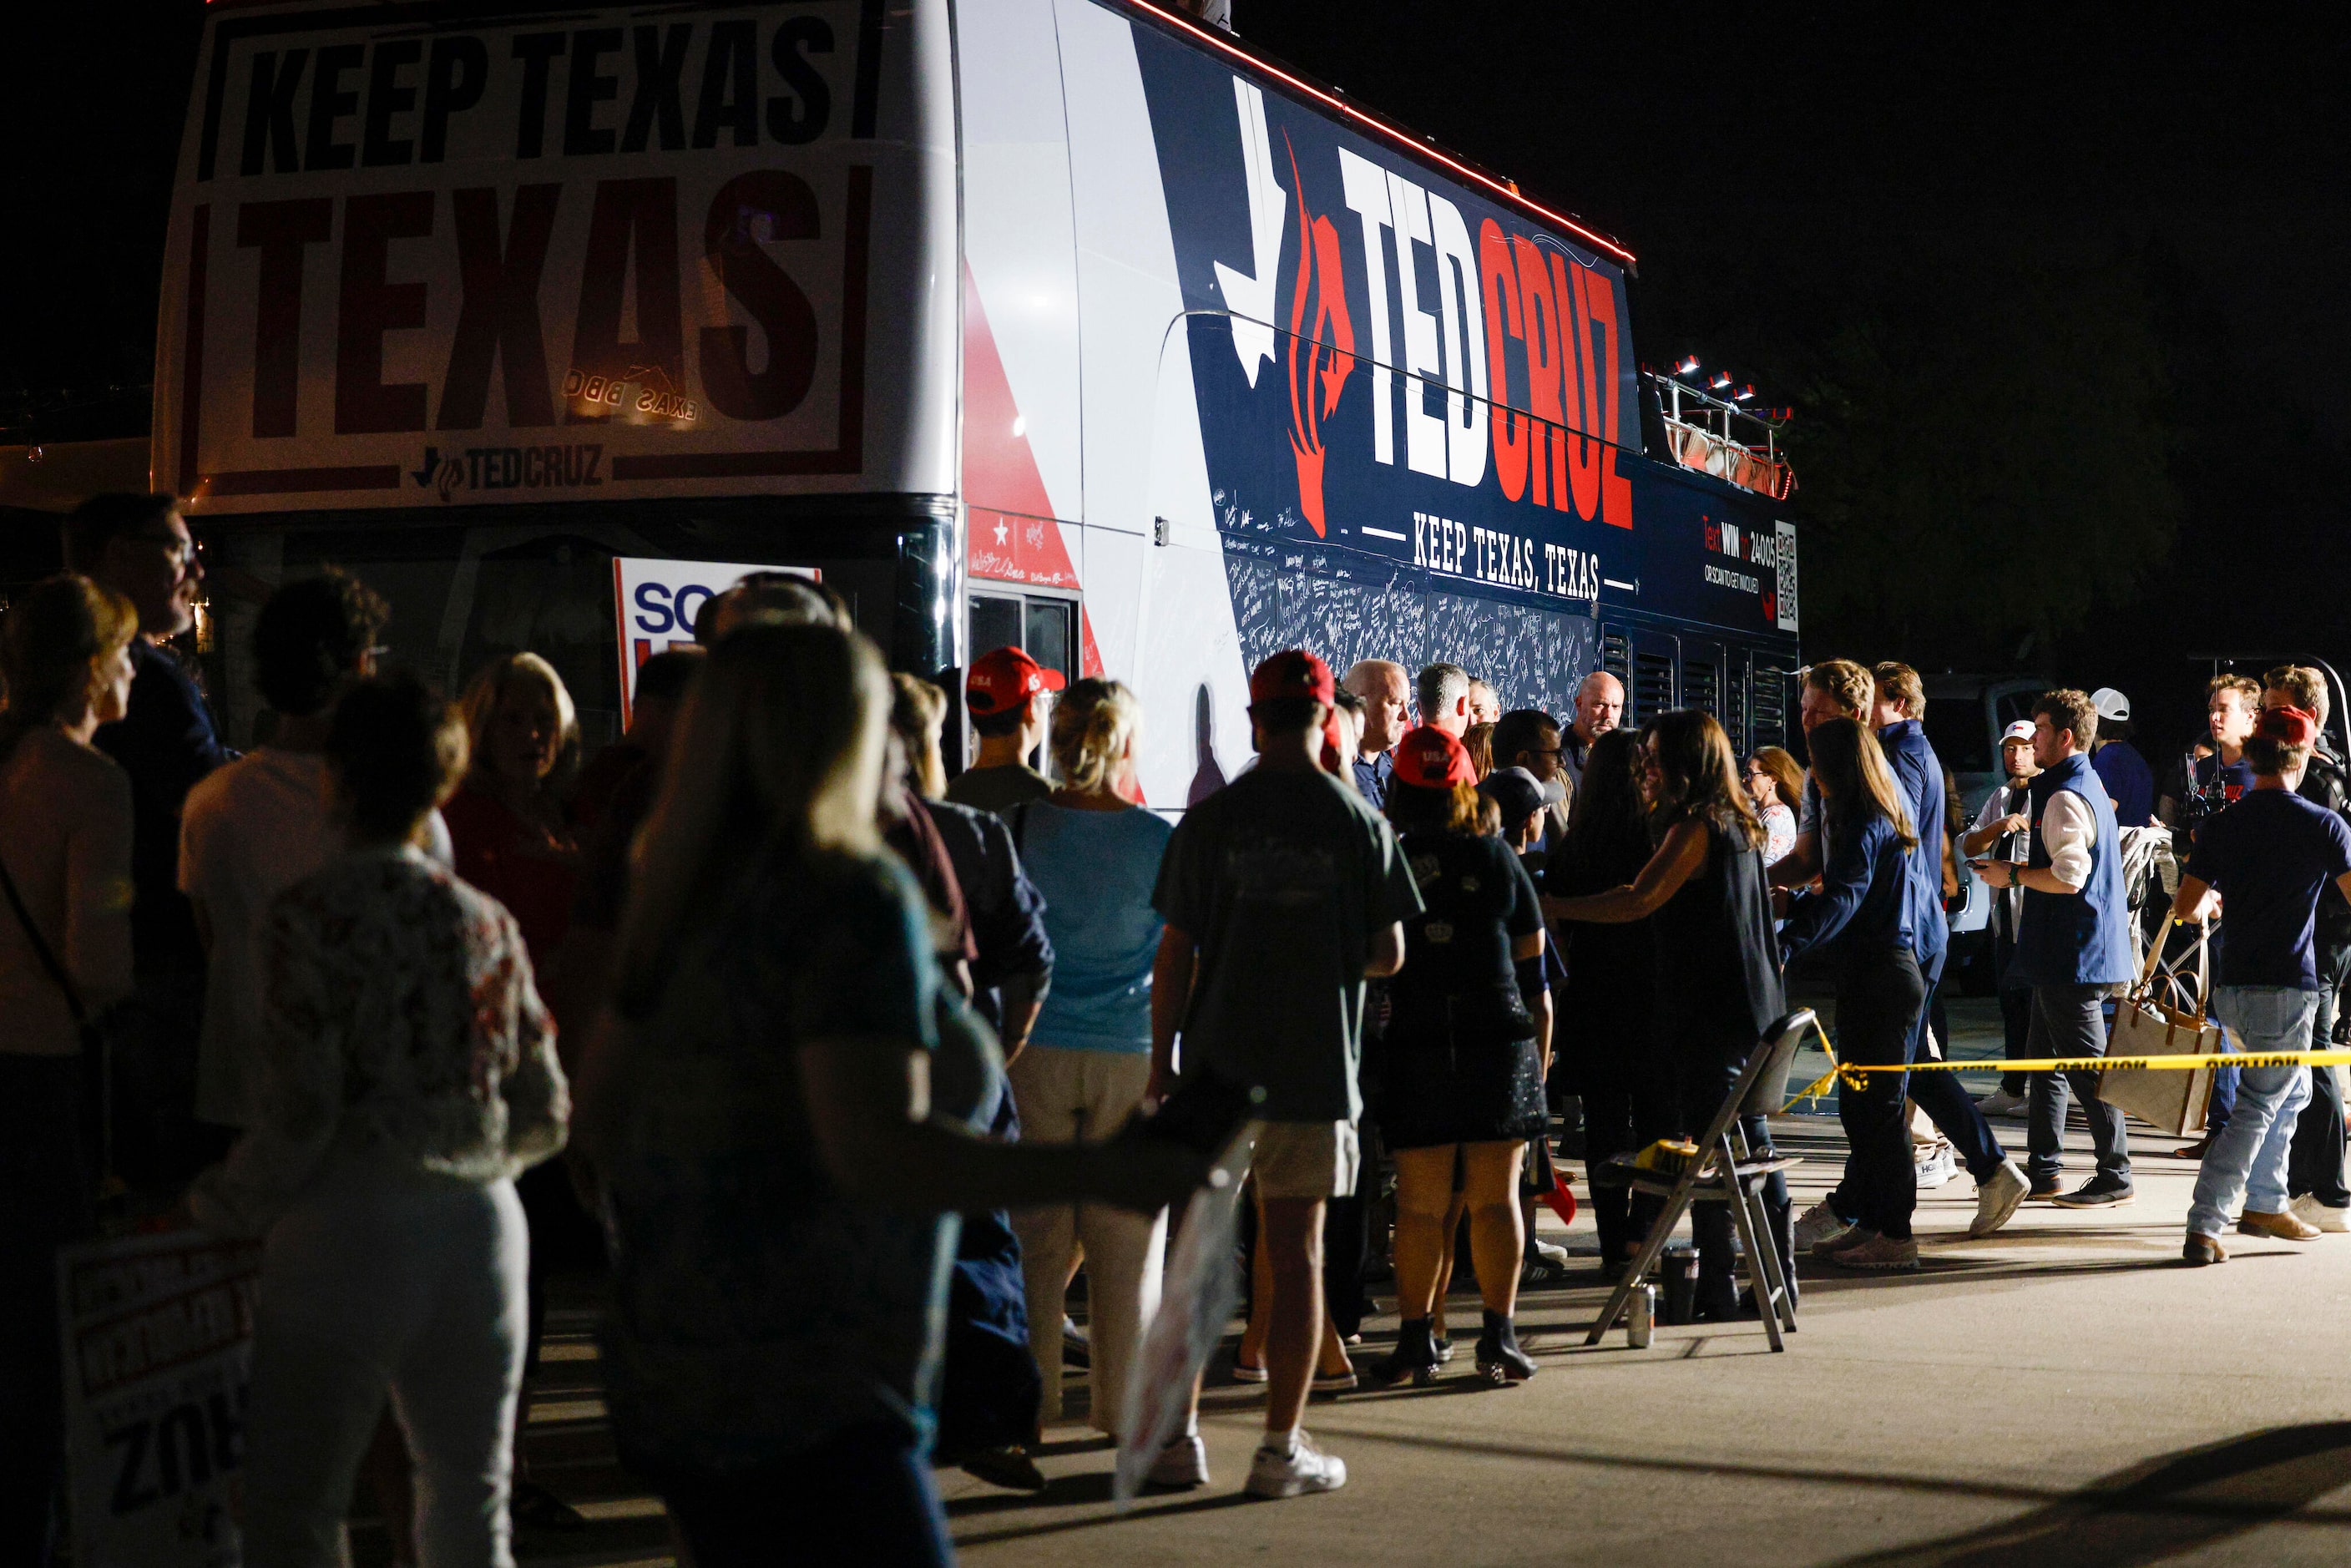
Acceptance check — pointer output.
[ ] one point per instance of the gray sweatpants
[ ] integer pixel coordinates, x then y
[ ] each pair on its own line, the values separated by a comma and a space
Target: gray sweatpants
382, 1281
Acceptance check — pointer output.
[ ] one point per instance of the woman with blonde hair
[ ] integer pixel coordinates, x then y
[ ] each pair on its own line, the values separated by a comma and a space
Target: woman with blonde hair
1094, 854
1716, 973
760, 1116
65, 956
1862, 917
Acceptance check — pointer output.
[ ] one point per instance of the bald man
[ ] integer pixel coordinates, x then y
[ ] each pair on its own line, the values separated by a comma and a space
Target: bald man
1599, 705
1387, 698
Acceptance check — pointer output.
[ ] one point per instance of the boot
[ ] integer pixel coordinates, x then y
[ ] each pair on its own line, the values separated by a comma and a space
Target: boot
1500, 1359
1415, 1354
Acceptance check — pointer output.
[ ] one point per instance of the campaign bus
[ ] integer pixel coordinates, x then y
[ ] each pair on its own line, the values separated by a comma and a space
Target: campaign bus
1073, 324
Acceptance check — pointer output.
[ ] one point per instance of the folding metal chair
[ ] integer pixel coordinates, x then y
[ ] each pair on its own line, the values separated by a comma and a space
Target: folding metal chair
1725, 1170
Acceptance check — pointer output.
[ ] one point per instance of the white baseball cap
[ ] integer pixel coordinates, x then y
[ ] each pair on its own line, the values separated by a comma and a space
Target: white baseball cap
2020, 730
2110, 703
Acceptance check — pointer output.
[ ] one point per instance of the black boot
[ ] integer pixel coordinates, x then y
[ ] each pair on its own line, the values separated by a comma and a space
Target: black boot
1415, 1354
1500, 1359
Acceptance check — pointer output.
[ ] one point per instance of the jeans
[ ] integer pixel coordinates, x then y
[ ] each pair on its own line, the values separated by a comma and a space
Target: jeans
1707, 1075
2016, 1008
1628, 1104
1878, 999
379, 1281
865, 1498
2315, 1167
1946, 1100
2071, 1020
2247, 1158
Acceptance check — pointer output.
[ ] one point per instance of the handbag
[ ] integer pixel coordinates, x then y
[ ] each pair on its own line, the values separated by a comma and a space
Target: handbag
2163, 1015
94, 1048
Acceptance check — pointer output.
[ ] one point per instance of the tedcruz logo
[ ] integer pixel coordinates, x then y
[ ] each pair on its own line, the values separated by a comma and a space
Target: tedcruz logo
1322, 353
509, 468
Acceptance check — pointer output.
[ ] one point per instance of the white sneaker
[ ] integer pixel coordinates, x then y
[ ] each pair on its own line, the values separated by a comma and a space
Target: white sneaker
1182, 1463
1303, 1468
1936, 1165
2000, 1102
1818, 1224
2310, 1212
1997, 1199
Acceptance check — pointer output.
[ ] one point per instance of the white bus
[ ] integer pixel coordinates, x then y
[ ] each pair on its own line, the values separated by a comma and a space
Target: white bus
1067, 323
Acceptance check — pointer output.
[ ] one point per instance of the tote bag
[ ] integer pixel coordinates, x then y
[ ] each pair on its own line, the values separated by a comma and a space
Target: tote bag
2163, 1015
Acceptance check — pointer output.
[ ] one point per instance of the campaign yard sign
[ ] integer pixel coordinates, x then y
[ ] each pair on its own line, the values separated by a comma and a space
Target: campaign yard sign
654, 602
158, 1335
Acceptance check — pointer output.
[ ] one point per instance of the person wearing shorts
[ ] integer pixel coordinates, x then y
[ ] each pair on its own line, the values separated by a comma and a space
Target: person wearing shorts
1282, 891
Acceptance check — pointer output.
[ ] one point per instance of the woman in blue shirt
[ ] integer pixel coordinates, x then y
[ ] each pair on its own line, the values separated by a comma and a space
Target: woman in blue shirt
1094, 854
1861, 916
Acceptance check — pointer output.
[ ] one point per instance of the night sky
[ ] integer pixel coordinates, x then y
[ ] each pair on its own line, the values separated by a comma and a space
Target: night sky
2058, 300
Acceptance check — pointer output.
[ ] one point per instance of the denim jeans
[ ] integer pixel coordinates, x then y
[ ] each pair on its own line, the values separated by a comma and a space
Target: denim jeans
2246, 1159
2317, 1166
1880, 997
2070, 1021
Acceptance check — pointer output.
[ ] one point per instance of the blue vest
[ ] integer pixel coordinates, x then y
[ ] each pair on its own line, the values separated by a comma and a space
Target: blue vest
1912, 758
2082, 938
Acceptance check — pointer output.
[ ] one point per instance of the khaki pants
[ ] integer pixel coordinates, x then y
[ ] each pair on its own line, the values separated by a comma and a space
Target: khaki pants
1085, 1096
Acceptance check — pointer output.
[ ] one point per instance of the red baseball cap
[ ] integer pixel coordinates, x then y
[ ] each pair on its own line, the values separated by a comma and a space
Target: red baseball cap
1292, 674
1431, 759
1003, 680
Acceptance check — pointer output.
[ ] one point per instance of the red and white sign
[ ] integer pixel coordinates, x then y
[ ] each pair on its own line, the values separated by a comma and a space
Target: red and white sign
578, 256
655, 604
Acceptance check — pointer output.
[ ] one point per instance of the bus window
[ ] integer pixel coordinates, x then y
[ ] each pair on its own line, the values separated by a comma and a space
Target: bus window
1652, 684
1770, 716
1701, 685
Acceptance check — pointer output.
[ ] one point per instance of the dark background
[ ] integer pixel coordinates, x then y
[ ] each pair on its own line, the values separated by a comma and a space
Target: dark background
2057, 299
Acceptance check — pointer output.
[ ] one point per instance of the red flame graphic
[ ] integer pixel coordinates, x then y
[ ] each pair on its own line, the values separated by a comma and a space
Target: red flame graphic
1326, 353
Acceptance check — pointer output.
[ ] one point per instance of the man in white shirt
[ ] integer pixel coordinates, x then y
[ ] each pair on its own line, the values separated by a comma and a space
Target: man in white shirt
257, 826
2002, 832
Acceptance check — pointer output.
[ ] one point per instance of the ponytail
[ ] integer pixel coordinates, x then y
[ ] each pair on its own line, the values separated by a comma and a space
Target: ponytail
1095, 722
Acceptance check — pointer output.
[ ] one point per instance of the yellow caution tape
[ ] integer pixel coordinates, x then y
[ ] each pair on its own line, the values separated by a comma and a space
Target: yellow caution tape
1856, 1074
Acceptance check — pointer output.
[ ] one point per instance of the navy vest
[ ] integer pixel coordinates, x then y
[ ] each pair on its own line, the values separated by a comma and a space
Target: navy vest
2083, 938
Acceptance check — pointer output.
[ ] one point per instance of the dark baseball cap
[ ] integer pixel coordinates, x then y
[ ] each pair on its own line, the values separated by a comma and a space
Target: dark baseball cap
1293, 672
1003, 680
1518, 794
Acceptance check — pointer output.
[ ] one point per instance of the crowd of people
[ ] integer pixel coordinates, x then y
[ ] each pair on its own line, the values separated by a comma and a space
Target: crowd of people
845, 1069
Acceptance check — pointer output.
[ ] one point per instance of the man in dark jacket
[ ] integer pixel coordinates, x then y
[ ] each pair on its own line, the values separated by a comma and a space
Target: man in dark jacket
139, 546
2314, 1172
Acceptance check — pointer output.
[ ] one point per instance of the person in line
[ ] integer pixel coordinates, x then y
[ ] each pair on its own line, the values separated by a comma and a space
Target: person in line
1005, 694
1479, 741
2314, 1173
1863, 917
1095, 856
2129, 781
1442, 692
1775, 783
1460, 1068
1528, 738
2270, 857
139, 547
1387, 714
760, 1111
1832, 688
1485, 701
513, 839
1717, 972
66, 830
989, 1392
2215, 775
1599, 708
1899, 708
408, 1074
661, 686
2073, 945
1524, 806
1344, 740
1282, 893
254, 828
2002, 833
1610, 1045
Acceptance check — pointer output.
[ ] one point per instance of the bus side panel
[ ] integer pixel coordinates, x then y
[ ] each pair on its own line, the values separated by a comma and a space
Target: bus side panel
1163, 613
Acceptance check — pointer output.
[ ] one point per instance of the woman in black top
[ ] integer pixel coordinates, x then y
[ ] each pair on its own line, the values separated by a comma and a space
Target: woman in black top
1459, 1071
1718, 974
1606, 1029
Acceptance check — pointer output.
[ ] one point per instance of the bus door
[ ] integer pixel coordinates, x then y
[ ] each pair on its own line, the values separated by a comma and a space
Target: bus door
1042, 622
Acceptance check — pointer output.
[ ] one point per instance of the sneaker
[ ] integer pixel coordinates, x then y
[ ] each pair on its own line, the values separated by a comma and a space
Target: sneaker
2000, 1102
1545, 1252
1337, 1381
1183, 1463
2098, 1192
1851, 1237
1008, 1467
1997, 1198
2283, 1227
2202, 1250
2043, 1188
1443, 1347
2325, 1217
1244, 1373
1818, 1224
1881, 1253
1077, 1350
1301, 1467
1936, 1164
